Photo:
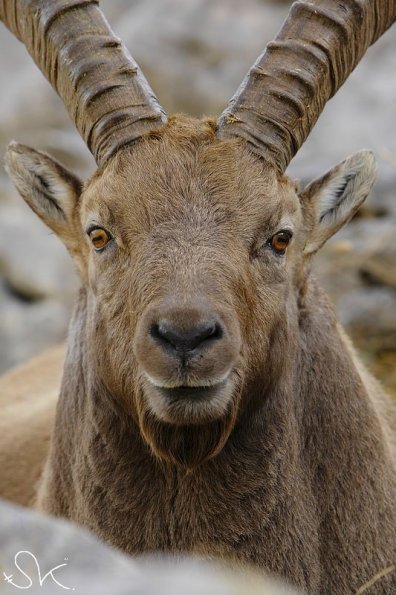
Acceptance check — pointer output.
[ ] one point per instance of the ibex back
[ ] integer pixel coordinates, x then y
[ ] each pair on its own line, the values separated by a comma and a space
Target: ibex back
210, 402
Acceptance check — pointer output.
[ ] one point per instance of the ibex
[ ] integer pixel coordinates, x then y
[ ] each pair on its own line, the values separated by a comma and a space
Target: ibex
210, 402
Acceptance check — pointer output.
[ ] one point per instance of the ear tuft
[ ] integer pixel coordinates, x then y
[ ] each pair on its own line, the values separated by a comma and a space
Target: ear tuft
331, 201
348, 189
47, 187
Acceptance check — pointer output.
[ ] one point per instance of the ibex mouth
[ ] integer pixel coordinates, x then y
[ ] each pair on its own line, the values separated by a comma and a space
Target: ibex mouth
189, 405
196, 393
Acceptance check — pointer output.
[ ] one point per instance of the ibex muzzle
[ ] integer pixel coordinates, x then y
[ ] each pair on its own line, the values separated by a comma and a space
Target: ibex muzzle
187, 348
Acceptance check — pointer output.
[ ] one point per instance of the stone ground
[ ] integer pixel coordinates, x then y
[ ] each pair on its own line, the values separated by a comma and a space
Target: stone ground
93, 568
195, 54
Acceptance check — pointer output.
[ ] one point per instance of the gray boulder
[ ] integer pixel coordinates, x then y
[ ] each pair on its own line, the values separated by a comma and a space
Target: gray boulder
80, 563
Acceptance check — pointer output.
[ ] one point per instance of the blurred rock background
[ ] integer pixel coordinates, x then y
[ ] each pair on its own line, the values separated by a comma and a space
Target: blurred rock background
93, 568
195, 53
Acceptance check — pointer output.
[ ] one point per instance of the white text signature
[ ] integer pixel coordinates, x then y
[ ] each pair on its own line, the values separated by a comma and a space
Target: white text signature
27, 580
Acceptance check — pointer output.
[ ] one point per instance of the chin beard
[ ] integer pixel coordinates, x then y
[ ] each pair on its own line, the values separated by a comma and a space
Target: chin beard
186, 446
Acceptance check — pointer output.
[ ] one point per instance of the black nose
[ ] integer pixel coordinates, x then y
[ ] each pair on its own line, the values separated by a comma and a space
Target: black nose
184, 340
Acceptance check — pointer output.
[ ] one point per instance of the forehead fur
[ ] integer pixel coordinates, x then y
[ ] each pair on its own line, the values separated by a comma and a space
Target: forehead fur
184, 171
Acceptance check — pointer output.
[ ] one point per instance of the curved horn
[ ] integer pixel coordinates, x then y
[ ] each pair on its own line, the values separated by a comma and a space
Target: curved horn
286, 90
102, 87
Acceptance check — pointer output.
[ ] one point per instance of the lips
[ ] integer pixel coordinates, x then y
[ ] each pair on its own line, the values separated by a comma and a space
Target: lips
196, 393
189, 405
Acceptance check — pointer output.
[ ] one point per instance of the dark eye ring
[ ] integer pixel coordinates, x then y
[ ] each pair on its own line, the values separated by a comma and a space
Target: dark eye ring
99, 237
280, 241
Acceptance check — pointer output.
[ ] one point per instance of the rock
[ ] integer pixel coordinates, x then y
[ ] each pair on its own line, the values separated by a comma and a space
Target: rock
28, 328
92, 568
340, 263
370, 316
380, 267
33, 261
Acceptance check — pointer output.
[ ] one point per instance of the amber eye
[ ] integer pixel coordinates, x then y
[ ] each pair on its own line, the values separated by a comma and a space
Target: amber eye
99, 237
280, 241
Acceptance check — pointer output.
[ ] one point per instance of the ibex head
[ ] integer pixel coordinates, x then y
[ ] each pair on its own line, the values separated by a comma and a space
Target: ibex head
192, 244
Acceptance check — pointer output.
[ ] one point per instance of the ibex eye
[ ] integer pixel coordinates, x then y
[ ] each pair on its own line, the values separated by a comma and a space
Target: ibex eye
280, 241
99, 237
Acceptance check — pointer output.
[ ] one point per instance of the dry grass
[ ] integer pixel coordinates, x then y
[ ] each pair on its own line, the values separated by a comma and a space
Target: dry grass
377, 577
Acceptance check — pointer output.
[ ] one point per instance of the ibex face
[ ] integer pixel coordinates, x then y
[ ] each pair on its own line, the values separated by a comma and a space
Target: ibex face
192, 244
193, 253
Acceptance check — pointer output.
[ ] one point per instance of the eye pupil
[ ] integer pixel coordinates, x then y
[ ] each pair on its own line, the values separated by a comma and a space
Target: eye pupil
99, 238
280, 241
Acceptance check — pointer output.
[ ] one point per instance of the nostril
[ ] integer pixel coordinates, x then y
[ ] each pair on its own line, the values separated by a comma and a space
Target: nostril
160, 333
164, 333
185, 339
168, 335
214, 331
217, 332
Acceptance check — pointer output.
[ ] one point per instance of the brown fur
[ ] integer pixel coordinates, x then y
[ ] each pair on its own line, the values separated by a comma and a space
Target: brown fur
28, 396
294, 470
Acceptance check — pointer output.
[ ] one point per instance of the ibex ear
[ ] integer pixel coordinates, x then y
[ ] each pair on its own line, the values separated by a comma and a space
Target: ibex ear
331, 201
47, 187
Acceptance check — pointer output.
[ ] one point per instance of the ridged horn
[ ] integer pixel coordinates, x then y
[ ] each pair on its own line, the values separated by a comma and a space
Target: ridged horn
101, 85
319, 45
